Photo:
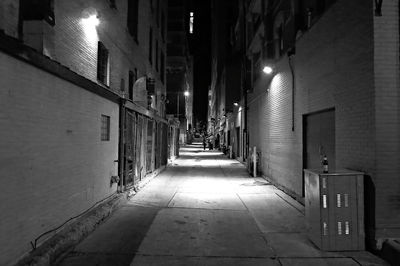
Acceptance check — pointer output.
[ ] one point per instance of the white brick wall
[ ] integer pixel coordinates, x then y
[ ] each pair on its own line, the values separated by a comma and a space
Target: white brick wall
348, 60
75, 46
53, 163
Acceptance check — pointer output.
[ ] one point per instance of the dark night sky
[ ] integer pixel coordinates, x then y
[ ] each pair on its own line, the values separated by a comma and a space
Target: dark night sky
201, 51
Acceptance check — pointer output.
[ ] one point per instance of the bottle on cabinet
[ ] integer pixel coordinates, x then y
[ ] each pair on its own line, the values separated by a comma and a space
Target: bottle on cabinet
325, 166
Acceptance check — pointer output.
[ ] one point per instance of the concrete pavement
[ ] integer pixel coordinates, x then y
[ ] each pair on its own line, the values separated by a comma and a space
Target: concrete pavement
205, 209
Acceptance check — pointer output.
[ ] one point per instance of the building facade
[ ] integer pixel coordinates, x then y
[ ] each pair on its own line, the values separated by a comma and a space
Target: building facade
224, 92
83, 101
180, 67
332, 89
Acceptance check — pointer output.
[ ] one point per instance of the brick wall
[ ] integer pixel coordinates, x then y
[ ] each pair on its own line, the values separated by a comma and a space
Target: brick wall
348, 60
331, 64
54, 165
334, 68
74, 45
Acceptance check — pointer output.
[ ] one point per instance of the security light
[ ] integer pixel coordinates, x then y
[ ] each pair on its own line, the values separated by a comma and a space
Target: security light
268, 70
186, 93
93, 21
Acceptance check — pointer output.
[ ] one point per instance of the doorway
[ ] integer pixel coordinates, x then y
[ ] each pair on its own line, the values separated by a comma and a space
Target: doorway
318, 140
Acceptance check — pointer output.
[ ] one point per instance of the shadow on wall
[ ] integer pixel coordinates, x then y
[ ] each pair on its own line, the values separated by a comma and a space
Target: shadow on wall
369, 212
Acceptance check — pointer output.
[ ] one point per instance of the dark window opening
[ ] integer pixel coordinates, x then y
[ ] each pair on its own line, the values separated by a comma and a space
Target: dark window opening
113, 4
102, 63
131, 82
133, 10
37, 10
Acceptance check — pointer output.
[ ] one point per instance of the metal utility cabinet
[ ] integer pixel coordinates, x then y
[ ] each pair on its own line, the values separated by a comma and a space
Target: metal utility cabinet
334, 207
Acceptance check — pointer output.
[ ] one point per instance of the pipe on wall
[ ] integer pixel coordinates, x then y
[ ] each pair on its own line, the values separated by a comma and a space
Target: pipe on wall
290, 57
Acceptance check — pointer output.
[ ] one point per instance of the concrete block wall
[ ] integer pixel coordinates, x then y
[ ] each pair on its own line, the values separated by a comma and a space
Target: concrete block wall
387, 116
54, 164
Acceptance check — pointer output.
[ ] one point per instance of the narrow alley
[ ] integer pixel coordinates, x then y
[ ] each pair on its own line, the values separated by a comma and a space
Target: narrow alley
205, 209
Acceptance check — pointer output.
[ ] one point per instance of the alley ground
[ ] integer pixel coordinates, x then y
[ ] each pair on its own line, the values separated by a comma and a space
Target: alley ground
205, 209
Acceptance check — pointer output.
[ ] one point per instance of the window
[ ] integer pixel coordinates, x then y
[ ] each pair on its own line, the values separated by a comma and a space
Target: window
38, 10
131, 82
105, 128
151, 46
191, 21
162, 67
157, 55
112, 4
102, 63
133, 9
122, 87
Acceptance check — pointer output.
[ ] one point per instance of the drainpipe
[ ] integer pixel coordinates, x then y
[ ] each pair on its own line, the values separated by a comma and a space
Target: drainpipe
121, 144
245, 141
290, 57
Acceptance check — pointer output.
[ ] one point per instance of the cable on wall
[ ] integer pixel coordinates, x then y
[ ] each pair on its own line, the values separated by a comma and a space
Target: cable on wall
34, 242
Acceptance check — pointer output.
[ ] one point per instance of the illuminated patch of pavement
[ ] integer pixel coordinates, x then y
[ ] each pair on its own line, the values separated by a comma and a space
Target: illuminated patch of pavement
205, 209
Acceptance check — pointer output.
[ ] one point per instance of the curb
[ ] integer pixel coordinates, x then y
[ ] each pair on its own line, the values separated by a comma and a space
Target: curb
53, 249
70, 235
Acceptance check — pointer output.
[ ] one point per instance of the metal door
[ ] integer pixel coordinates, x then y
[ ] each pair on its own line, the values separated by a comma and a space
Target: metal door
319, 139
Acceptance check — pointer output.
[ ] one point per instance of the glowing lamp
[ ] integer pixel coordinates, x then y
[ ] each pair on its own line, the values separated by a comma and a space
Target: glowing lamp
268, 70
92, 21
186, 93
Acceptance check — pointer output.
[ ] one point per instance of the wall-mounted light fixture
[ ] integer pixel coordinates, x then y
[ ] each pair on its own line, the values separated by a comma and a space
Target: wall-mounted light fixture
89, 24
236, 104
91, 21
186, 93
268, 69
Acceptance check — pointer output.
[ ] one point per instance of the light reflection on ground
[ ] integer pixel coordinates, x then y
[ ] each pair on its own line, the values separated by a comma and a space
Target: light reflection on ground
194, 155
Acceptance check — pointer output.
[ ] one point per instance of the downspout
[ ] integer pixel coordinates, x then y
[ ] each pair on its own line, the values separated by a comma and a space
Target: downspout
121, 152
290, 56
246, 141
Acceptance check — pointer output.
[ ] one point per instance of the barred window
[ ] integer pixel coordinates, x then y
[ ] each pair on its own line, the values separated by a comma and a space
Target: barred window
105, 128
